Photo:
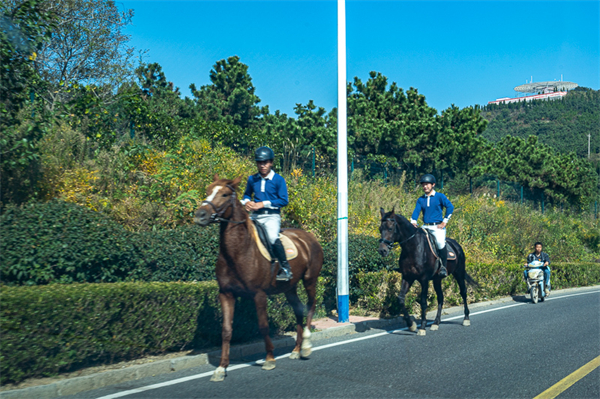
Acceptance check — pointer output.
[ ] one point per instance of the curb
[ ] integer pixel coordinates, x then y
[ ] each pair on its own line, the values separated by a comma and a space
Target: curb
76, 385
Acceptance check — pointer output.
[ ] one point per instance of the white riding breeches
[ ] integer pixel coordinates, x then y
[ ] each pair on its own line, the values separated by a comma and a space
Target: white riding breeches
440, 235
272, 224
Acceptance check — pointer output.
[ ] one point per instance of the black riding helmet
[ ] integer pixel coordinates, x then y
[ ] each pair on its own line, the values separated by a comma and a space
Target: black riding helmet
264, 154
427, 179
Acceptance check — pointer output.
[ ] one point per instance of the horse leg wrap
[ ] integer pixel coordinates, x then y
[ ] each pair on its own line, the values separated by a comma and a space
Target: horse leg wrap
219, 374
269, 365
306, 344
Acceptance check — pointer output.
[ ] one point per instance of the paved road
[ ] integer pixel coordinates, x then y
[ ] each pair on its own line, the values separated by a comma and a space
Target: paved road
512, 350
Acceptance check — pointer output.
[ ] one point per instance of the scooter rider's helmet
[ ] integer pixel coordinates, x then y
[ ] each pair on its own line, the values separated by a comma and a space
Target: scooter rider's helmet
264, 154
427, 179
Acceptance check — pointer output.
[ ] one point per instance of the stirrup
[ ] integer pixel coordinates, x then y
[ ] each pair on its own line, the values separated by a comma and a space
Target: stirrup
284, 275
443, 272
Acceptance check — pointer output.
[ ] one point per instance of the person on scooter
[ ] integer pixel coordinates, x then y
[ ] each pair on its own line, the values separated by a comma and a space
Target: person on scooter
538, 255
431, 205
270, 195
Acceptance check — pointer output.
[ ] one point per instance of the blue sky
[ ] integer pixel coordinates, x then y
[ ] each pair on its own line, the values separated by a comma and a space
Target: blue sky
461, 53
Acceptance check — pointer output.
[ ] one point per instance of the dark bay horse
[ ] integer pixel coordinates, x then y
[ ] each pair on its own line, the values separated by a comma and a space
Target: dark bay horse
243, 272
418, 263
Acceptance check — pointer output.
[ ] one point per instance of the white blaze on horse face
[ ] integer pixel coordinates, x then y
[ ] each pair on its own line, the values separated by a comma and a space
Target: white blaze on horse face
213, 194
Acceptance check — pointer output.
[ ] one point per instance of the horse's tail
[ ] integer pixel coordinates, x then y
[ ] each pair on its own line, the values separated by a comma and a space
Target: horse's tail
471, 281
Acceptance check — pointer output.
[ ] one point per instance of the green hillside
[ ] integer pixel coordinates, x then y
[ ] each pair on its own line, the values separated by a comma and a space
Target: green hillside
562, 124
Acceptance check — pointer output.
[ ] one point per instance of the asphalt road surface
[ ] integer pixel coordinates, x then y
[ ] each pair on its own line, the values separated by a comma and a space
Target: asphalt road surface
511, 350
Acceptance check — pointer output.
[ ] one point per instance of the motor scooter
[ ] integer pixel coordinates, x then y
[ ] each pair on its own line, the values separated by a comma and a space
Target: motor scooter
535, 281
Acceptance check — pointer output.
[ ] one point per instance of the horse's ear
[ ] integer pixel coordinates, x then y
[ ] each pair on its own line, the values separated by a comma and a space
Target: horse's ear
236, 181
216, 177
393, 209
382, 213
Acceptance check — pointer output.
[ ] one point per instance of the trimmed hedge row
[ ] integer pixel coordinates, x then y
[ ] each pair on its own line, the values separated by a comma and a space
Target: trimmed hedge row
56, 328
61, 242
377, 292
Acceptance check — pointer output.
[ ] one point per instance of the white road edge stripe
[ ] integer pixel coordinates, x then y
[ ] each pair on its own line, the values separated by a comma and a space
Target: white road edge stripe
244, 365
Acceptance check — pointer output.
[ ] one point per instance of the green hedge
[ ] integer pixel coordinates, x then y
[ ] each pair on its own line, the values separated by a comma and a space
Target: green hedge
57, 328
60, 242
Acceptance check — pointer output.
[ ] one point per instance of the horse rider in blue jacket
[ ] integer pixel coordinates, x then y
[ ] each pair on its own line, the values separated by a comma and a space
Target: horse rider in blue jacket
270, 195
431, 205
543, 257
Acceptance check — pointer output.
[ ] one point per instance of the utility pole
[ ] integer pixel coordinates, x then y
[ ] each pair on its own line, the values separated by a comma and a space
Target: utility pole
589, 141
342, 166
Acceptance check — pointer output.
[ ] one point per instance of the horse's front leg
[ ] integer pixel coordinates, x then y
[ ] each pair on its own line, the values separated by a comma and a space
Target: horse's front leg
227, 307
424, 289
437, 285
405, 286
260, 300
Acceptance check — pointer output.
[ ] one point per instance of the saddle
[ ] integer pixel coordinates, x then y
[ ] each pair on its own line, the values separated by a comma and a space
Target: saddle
434, 247
264, 246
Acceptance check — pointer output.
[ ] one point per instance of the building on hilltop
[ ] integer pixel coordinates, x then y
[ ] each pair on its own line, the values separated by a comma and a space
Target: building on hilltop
543, 91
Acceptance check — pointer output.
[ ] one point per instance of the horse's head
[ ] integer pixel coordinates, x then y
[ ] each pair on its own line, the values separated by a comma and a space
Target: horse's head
387, 228
219, 202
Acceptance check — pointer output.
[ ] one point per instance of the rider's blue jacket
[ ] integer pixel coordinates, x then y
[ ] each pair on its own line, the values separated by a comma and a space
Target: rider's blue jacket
270, 190
431, 206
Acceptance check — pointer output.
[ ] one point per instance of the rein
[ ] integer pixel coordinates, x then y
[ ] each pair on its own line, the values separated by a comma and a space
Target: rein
389, 243
217, 215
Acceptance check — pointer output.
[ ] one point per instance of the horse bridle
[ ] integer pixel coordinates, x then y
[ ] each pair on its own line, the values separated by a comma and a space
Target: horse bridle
217, 216
389, 243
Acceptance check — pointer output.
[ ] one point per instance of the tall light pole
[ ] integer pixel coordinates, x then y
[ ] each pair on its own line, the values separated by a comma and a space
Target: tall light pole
342, 167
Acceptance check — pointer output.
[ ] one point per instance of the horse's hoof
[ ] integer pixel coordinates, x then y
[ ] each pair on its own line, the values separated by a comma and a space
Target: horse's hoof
269, 365
421, 333
219, 374
412, 327
295, 355
466, 323
434, 327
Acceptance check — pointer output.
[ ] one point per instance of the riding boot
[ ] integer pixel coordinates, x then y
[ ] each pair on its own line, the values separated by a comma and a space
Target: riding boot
443, 272
285, 272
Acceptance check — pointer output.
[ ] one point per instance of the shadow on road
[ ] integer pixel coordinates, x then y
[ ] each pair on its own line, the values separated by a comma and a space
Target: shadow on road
520, 298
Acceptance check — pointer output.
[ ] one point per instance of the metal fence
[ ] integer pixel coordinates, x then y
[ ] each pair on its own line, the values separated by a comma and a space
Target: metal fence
461, 185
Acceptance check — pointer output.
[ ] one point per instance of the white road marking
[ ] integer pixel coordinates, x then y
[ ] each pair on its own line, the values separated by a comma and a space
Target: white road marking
349, 341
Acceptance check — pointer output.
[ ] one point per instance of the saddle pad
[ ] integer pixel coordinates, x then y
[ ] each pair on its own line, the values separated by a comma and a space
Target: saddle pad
291, 251
433, 242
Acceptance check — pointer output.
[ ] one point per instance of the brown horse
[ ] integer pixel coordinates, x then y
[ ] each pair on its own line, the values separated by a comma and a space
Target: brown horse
243, 272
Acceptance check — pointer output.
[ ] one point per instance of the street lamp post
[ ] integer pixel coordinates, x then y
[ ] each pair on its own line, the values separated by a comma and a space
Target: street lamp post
342, 167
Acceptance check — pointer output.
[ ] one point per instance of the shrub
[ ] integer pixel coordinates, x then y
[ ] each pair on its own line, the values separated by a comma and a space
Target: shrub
57, 328
62, 242
186, 253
